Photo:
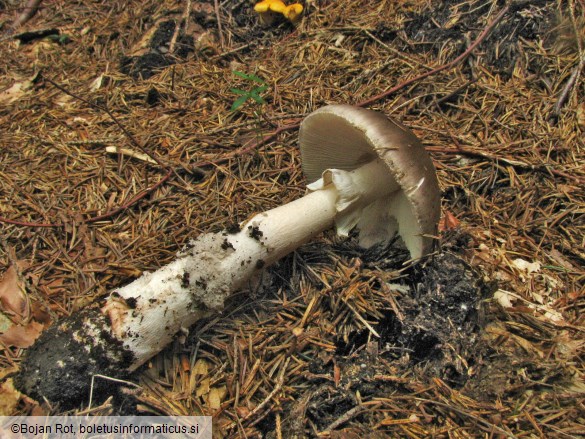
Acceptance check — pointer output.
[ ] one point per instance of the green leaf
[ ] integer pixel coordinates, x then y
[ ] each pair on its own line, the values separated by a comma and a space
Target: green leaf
259, 99
249, 77
239, 102
260, 89
60, 39
240, 74
239, 92
256, 79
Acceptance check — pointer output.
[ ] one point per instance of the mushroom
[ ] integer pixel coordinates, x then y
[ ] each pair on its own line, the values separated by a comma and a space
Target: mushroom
293, 12
365, 171
340, 138
267, 9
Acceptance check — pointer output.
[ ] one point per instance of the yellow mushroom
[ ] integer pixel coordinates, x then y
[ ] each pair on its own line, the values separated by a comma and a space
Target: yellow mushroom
268, 8
293, 12
270, 5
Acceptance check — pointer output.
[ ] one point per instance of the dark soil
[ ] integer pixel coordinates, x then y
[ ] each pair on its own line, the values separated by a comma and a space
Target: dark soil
437, 333
60, 365
450, 22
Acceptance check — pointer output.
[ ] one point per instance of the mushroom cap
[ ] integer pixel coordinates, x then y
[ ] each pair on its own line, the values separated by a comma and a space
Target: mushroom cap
347, 137
270, 5
292, 12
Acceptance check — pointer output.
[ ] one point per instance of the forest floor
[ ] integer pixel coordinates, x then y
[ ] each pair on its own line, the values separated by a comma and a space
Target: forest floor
125, 135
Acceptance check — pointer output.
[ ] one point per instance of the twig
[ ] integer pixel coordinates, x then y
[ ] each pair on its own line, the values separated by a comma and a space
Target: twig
577, 71
463, 412
129, 153
127, 133
278, 427
28, 224
246, 149
132, 139
30, 10
447, 66
277, 388
569, 86
104, 216
219, 27
450, 95
373, 99
104, 377
184, 19
396, 52
514, 163
132, 200
229, 52
245, 124
345, 417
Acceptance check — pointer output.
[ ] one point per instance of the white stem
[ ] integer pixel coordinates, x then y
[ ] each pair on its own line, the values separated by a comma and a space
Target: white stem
146, 314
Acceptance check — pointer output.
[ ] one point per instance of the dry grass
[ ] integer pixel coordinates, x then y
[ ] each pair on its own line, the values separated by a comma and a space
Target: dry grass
503, 127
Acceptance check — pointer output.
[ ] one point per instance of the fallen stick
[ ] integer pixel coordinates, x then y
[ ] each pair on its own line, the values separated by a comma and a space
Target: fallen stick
29, 12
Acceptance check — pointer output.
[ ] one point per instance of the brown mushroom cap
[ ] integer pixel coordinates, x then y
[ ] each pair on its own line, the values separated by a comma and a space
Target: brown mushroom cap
346, 137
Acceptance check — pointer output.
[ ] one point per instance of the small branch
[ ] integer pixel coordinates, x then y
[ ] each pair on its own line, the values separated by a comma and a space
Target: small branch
488, 425
104, 216
115, 380
219, 27
573, 79
230, 52
127, 133
30, 10
246, 149
184, 19
569, 86
28, 224
373, 99
132, 139
447, 66
129, 153
132, 201
544, 169
276, 389
352, 413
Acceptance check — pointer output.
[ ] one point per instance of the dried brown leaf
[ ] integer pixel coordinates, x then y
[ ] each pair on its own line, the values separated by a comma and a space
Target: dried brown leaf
9, 398
216, 394
15, 92
22, 336
448, 222
13, 301
40, 313
53, 287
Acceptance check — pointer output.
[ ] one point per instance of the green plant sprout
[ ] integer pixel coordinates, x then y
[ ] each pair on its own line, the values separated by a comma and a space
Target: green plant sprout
245, 95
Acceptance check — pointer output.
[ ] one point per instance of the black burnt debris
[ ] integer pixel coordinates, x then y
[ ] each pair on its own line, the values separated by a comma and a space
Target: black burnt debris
131, 302
438, 323
60, 365
440, 316
185, 280
226, 244
232, 228
255, 233
436, 333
